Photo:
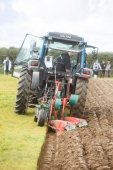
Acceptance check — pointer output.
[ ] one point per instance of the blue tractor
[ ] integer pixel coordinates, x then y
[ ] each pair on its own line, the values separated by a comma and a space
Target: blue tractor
38, 77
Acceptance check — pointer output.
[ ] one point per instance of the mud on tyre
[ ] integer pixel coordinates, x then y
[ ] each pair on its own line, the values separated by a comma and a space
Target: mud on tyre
22, 96
81, 90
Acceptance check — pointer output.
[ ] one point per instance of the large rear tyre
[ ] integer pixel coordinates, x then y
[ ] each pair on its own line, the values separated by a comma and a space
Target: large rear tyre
41, 118
23, 89
81, 90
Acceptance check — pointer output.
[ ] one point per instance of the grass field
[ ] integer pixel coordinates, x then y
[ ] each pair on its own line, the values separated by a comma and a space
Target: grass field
20, 138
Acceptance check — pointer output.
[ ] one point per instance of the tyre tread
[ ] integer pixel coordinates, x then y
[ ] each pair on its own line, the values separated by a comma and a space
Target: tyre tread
23, 89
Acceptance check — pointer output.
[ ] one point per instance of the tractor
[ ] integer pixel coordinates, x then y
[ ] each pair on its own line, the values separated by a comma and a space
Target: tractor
41, 85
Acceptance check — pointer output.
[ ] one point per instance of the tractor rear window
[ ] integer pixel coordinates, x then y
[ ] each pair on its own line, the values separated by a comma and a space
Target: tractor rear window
63, 46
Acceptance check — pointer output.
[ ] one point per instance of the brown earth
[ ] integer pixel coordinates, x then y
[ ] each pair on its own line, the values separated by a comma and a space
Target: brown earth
86, 148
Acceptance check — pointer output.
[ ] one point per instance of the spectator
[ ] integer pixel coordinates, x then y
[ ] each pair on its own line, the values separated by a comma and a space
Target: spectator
103, 67
96, 67
108, 66
7, 65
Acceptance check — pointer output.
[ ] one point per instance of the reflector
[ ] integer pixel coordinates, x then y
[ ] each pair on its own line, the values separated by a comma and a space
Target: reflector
34, 63
86, 72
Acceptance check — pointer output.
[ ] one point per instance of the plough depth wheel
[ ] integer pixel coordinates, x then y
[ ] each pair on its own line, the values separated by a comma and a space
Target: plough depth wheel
41, 118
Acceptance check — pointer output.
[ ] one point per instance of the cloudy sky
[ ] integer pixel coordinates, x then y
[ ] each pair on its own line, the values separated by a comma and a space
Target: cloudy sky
91, 19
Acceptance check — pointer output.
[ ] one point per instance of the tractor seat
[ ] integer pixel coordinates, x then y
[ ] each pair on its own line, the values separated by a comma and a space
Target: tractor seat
59, 73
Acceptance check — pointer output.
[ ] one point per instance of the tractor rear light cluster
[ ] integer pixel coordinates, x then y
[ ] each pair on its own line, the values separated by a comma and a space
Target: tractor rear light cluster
34, 63
86, 72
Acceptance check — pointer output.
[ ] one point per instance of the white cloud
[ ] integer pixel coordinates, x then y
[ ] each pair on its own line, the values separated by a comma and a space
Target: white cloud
2, 6
101, 2
91, 19
51, 10
91, 5
25, 7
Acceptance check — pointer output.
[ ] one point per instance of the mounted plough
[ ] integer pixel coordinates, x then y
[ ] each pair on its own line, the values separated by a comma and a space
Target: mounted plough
51, 107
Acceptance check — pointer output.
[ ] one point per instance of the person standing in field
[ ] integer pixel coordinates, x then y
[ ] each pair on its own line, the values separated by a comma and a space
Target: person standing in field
7, 65
96, 67
103, 67
108, 66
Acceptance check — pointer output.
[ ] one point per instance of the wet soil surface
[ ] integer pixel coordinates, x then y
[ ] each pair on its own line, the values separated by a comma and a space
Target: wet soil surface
86, 148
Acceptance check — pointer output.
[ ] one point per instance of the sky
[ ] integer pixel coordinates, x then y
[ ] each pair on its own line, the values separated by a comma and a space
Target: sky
90, 19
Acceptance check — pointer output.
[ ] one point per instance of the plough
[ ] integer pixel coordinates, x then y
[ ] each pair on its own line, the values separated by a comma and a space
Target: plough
51, 107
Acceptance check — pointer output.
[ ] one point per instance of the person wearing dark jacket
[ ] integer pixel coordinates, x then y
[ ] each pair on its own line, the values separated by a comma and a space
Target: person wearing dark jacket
63, 62
103, 68
96, 67
7, 65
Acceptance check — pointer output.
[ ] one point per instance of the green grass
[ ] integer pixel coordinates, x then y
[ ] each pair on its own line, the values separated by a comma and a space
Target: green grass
20, 138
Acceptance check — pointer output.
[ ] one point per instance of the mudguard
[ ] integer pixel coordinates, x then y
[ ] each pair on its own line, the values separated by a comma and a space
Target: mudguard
35, 80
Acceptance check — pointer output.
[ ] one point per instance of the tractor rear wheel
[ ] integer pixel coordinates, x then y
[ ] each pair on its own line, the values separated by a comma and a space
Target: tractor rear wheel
23, 89
81, 90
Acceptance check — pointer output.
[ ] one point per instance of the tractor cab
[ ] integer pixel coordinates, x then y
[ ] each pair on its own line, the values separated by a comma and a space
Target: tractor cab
38, 53
39, 79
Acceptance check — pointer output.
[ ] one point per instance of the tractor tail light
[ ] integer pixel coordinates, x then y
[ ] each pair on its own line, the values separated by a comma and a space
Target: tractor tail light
86, 72
34, 63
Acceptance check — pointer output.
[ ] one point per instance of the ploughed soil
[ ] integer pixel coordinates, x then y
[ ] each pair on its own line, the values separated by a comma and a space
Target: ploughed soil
86, 148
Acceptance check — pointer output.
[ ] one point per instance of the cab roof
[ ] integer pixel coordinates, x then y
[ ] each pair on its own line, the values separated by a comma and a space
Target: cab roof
64, 36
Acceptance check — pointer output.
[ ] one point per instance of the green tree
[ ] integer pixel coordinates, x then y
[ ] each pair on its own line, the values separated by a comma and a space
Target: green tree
12, 53
3, 54
8, 52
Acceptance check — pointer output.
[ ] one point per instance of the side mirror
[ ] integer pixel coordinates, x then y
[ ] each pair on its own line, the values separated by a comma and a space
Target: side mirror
95, 53
80, 44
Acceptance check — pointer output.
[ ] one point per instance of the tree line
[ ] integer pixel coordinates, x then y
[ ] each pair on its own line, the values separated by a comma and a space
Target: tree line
13, 51
8, 52
101, 56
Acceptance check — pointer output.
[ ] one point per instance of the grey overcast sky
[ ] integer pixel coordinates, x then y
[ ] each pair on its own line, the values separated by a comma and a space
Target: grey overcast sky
91, 19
